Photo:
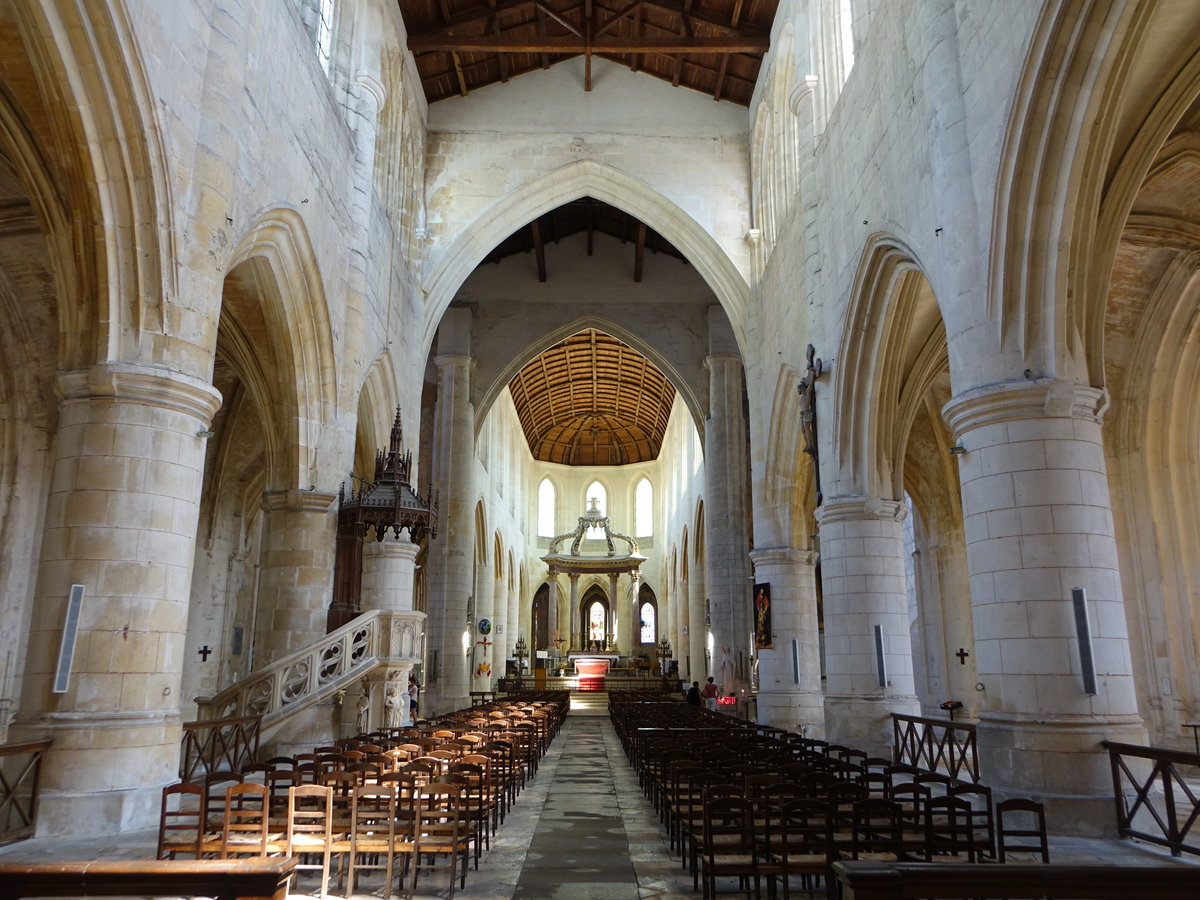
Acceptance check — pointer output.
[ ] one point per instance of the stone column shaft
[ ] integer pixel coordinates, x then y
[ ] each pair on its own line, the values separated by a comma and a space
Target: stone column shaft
452, 552
697, 631
863, 580
552, 608
121, 521
726, 521
296, 581
1038, 522
789, 677
577, 625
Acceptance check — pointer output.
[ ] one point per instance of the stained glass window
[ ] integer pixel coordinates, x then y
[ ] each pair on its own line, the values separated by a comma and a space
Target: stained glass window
648, 623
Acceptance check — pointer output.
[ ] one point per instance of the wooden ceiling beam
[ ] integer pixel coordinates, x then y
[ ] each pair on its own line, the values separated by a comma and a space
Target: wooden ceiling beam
639, 253
680, 8
553, 14
494, 28
541, 30
720, 78
474, 16
715, 46
539, 251
618, 16
458, 73
591, 228
636, 61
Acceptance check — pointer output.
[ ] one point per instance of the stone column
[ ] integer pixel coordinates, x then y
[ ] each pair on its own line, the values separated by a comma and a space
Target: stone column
789, 673
388, 575
296, 580
485, 608
452, 552
862, 571
727, 544
697, 667
121, 521
618, 613
632, 627
552, 608
513, 625
1038, 523
577, 626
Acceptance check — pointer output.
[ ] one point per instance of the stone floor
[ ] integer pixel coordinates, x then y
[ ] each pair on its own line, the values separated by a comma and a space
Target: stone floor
581, 830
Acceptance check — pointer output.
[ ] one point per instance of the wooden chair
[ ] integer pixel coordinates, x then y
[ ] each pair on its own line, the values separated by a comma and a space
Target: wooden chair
309, 829
376, 835
730, 848
245, 827
440, 833
983, 815
798, 842
1021, 829
875, 831
181, 821
949, 831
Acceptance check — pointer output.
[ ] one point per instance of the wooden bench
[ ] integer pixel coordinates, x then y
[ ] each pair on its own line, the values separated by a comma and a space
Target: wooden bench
242, 879
865, 880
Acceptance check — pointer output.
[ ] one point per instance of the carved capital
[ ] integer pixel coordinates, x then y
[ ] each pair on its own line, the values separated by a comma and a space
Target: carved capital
1039, 398
857, 508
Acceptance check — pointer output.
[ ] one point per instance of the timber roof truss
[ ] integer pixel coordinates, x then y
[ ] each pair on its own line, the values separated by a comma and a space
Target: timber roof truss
712, 46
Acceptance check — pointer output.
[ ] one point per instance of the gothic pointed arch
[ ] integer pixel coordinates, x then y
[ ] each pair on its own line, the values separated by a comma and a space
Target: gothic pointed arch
274, 310
780, 518
892, 348
583, 179
113, 246
377, 403
1067, 175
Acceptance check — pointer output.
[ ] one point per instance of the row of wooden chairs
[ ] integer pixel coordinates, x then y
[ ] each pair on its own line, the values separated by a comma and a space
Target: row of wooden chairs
435, 795
380, 823
687, 759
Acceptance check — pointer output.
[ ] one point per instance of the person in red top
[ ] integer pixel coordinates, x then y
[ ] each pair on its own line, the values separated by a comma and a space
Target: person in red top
710, 695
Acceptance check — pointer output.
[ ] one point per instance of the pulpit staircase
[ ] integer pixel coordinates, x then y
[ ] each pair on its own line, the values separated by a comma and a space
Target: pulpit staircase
294, 683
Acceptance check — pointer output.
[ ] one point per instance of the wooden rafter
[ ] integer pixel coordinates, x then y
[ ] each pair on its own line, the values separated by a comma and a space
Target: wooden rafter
714, 46
704, 46
639, 252
539, 250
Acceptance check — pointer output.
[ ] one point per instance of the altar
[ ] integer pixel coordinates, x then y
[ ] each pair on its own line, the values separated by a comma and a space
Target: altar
592, 665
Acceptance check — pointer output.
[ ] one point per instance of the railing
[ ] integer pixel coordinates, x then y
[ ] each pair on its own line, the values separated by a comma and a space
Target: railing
218, 745
936, 745
863, 880
299, 676
20, 773
317, 671
1158, 805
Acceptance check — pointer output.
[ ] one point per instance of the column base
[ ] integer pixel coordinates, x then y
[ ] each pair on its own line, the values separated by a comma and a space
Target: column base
92, 814
799, 711
866, 722
104, 772
1059, 762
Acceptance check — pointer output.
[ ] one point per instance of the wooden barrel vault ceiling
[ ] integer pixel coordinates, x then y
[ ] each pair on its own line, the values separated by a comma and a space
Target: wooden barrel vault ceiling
712, 46
592, 400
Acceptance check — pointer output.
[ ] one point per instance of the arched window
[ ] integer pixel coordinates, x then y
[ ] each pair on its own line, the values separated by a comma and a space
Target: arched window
325, 34
643, 509
596, 492
596, 622
649, 624
546, 498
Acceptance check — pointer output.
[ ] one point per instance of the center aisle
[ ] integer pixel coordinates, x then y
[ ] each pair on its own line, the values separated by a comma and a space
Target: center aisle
581, 830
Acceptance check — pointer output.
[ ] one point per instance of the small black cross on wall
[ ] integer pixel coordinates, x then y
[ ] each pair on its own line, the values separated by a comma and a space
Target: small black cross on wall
962, 656
204, 651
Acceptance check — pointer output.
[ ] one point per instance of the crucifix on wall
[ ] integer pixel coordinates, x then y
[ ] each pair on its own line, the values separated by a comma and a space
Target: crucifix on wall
808, 414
